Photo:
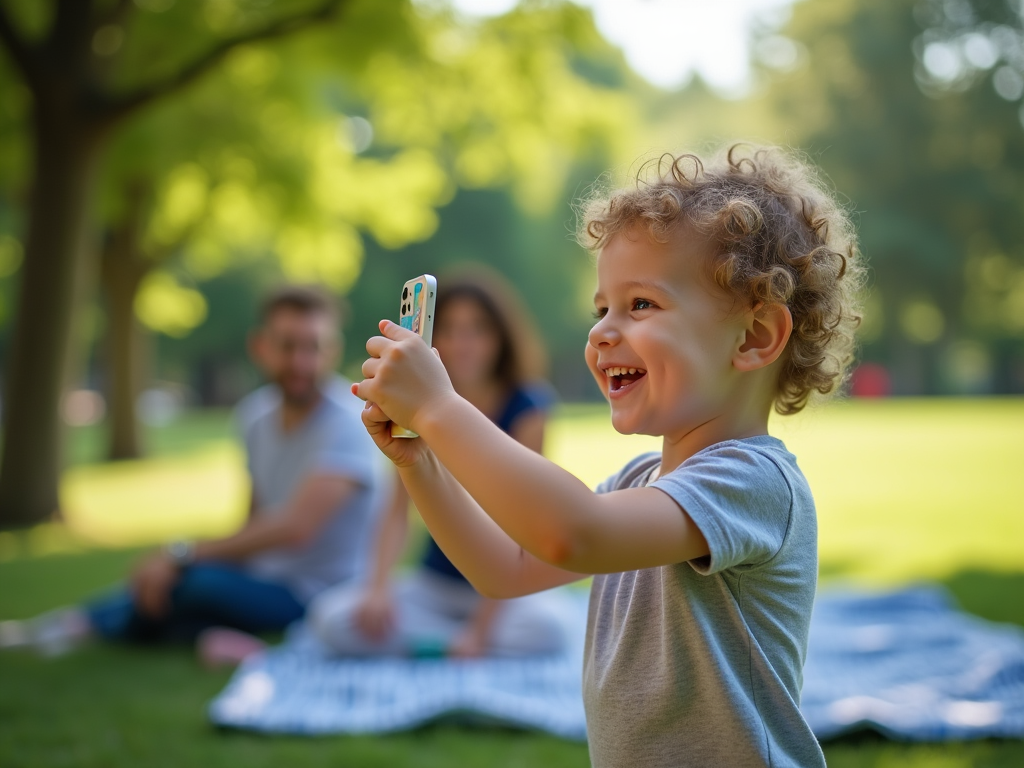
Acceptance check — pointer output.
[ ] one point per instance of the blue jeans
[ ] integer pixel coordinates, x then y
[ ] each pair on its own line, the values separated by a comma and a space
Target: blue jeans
206, 595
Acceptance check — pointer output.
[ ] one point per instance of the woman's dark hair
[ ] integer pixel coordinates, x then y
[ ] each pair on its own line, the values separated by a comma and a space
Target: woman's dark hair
521, 357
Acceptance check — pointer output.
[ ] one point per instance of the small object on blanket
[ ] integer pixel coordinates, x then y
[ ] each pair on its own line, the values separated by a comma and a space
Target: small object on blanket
225, 647
906, 663
429, 648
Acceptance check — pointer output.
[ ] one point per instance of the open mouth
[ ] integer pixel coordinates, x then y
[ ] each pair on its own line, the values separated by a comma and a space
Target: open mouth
620, 378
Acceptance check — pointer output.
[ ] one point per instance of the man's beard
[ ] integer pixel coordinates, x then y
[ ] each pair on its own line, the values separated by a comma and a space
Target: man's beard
299, 398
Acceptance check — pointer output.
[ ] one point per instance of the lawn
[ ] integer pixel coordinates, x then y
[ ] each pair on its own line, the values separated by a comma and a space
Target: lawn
906, 490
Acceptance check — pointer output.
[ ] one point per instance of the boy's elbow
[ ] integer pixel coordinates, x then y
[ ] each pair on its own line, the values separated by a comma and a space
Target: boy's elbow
558, 548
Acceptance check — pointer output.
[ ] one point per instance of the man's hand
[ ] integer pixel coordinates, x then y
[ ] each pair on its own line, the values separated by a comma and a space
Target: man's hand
375, 614
404, 377
152, 582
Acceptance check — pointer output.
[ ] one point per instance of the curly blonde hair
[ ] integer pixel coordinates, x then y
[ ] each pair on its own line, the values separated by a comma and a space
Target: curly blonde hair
780, 237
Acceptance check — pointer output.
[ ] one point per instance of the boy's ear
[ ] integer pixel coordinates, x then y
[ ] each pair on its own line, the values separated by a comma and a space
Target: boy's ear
768, 330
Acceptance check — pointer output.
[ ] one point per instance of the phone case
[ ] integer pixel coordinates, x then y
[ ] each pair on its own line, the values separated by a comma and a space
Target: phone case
417, 315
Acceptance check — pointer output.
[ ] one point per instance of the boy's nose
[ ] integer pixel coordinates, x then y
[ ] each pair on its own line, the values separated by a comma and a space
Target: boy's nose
603, 333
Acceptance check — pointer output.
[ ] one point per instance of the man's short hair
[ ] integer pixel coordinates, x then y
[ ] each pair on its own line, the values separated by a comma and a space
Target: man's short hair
306, 299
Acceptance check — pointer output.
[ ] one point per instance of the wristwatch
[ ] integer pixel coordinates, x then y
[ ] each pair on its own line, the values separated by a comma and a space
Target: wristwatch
182, 552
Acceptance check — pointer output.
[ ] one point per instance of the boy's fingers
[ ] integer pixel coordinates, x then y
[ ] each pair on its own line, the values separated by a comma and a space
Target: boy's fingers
369, 367
372, 414
394, 331
361, 390
375, 345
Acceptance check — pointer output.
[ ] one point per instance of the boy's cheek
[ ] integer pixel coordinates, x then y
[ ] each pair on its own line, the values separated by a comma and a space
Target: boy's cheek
590, 354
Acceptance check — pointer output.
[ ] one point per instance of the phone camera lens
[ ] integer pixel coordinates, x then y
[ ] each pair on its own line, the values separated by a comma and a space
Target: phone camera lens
405, 293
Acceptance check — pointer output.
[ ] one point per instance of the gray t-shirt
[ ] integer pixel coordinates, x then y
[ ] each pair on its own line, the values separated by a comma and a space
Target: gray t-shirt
700, 663
332, 440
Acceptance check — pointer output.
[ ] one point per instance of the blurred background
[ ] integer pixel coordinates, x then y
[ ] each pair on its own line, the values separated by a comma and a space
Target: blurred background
164, 162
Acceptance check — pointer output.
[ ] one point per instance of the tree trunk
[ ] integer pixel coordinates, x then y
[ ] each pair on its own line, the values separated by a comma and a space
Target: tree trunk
56, 249
122, 270
126, 366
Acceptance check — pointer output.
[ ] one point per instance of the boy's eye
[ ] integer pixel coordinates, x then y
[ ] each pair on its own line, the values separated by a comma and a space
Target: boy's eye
642, 304
600, 312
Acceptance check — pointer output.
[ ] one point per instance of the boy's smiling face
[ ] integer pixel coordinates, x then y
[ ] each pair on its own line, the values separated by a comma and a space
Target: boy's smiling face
663, 345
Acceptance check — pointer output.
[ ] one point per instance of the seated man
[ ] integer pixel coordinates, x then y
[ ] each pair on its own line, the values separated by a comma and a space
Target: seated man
317, 486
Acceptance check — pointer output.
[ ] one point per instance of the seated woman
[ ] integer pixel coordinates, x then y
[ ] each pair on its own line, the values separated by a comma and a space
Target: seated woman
485, 339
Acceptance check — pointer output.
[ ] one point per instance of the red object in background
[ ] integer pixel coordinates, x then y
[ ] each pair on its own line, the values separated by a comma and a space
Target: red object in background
870, 380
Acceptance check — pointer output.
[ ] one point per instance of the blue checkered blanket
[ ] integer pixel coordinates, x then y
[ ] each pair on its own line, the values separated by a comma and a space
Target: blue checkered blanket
907, 663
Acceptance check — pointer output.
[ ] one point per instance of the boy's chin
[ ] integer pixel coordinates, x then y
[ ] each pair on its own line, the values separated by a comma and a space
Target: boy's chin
625, 425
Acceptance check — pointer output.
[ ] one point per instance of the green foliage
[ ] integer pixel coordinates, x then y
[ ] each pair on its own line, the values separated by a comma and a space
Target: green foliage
932, 167
258, 159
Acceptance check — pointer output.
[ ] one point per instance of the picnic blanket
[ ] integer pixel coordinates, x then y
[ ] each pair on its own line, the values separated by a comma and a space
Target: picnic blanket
908, 664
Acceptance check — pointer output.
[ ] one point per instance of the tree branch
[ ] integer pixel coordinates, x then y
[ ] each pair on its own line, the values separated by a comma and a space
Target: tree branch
22, 54
122, 106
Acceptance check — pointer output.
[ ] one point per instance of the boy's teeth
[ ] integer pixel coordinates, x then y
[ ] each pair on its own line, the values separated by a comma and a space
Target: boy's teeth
619, 370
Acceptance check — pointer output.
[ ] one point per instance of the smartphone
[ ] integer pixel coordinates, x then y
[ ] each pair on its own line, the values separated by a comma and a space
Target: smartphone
417, 314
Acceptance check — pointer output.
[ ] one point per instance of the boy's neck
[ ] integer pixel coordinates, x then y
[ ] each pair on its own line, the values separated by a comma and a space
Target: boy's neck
733, 424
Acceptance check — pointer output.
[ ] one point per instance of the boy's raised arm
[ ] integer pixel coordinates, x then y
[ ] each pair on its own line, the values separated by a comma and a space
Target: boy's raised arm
493, 563
550, 513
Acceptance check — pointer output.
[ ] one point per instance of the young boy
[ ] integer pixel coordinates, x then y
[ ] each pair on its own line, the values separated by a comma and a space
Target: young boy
722, 291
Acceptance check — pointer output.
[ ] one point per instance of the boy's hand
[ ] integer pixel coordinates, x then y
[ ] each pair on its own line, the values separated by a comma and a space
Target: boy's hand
404, 377
403, 451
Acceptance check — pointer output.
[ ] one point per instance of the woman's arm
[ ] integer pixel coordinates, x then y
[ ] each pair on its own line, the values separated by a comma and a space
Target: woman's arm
391, 537
375, 614
475, 637
527, 430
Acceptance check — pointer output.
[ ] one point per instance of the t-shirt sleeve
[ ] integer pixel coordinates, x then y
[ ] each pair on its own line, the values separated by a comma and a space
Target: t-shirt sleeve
253, 406
740, 501
245, 424
629, 474
347, 450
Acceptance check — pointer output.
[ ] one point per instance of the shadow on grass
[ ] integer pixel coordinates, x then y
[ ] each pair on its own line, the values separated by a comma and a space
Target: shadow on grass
992, 595
868, 749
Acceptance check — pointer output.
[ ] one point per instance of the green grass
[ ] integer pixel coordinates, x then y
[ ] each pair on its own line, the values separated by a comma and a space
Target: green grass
906, 490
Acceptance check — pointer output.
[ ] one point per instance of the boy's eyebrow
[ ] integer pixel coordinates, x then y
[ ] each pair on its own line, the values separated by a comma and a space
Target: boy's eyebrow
640, 285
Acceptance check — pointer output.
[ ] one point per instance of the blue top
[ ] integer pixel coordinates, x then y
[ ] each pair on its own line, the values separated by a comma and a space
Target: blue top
524, 400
